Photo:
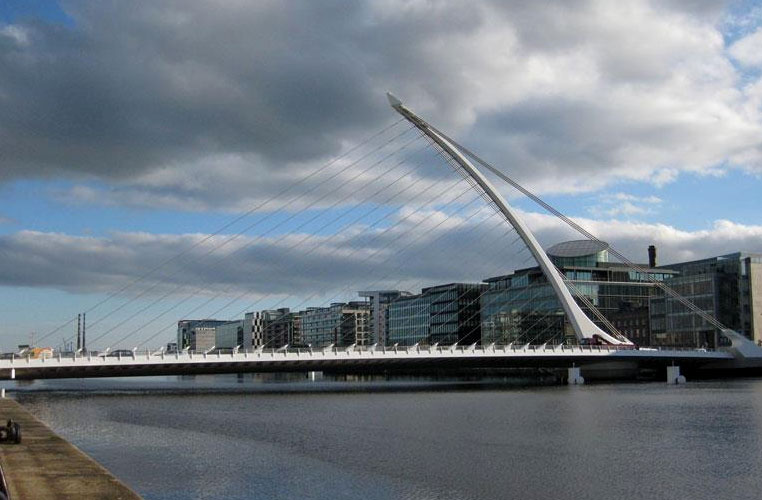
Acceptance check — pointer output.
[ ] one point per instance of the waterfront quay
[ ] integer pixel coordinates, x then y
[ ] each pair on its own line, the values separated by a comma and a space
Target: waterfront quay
45, 466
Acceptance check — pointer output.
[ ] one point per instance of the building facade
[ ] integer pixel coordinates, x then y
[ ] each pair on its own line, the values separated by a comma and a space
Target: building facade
455, 313
443, 314
197, 335
408, 319
230, 335
728, 287
522, 307
379, 301
340, 324
283, 327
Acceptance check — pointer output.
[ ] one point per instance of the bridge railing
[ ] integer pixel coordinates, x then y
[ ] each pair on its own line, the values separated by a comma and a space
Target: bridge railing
336, 352
374, 349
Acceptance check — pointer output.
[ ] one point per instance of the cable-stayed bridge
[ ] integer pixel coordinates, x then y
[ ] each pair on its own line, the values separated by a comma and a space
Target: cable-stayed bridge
357, 359
385, 242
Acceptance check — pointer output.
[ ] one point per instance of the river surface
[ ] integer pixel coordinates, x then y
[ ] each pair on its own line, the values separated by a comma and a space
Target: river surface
234, 437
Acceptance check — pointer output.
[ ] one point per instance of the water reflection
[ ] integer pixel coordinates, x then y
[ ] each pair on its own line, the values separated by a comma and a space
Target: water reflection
286, 437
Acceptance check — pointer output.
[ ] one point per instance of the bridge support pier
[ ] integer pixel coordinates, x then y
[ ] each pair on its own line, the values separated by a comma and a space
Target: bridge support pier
314, 375
673, 375
574, 377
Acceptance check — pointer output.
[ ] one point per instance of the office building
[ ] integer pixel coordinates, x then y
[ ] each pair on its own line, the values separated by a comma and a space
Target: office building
230, 335
728, 287
522, 307
197, 335
408, 320
340, 324
443, 314
282, 327
379, 301
257, 324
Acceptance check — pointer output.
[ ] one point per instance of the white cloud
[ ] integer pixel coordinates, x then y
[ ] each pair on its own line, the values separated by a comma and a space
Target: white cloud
631, 197
436, 248
17, 34
624, 204
748, 50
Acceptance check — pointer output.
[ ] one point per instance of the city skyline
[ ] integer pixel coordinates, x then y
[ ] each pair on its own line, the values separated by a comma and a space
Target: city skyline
653, 143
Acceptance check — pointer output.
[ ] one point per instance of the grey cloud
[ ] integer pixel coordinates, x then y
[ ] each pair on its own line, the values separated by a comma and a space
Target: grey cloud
255, 273
427, 248
144, 99
296, 264
587, 144
127, 90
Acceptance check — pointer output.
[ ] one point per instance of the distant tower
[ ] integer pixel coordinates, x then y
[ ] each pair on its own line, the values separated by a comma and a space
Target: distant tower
79, 331
84, 345
652, 256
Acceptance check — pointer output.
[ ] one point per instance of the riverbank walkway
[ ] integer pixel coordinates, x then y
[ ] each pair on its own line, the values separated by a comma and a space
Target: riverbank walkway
45, 466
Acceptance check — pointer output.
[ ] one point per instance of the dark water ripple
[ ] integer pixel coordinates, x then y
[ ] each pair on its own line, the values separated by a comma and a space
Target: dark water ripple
242, 438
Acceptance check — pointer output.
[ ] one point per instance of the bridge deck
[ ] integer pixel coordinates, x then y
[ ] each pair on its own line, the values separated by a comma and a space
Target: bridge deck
362, 359
45, 466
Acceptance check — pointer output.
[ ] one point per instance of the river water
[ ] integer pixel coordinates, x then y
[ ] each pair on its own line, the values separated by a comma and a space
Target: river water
246, 437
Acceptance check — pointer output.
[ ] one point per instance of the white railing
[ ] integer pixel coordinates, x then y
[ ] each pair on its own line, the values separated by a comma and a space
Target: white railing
351, 353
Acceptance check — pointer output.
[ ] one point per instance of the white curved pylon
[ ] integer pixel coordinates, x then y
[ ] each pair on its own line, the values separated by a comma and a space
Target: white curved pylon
583, 326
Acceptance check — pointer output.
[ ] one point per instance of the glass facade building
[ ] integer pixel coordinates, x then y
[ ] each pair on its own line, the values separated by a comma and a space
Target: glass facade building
407, 320
229, 335
522, 307
728, 287
444, 314
454, 313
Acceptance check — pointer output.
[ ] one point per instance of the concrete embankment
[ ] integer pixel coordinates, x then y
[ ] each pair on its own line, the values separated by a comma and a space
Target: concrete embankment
45, 466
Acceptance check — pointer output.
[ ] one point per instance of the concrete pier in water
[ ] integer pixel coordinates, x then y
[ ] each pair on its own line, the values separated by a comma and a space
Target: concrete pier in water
45, 466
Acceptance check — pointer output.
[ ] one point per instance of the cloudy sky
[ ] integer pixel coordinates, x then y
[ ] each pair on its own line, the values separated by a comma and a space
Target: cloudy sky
149, 150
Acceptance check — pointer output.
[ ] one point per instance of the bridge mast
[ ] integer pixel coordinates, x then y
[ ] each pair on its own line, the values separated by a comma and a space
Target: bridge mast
583, 326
